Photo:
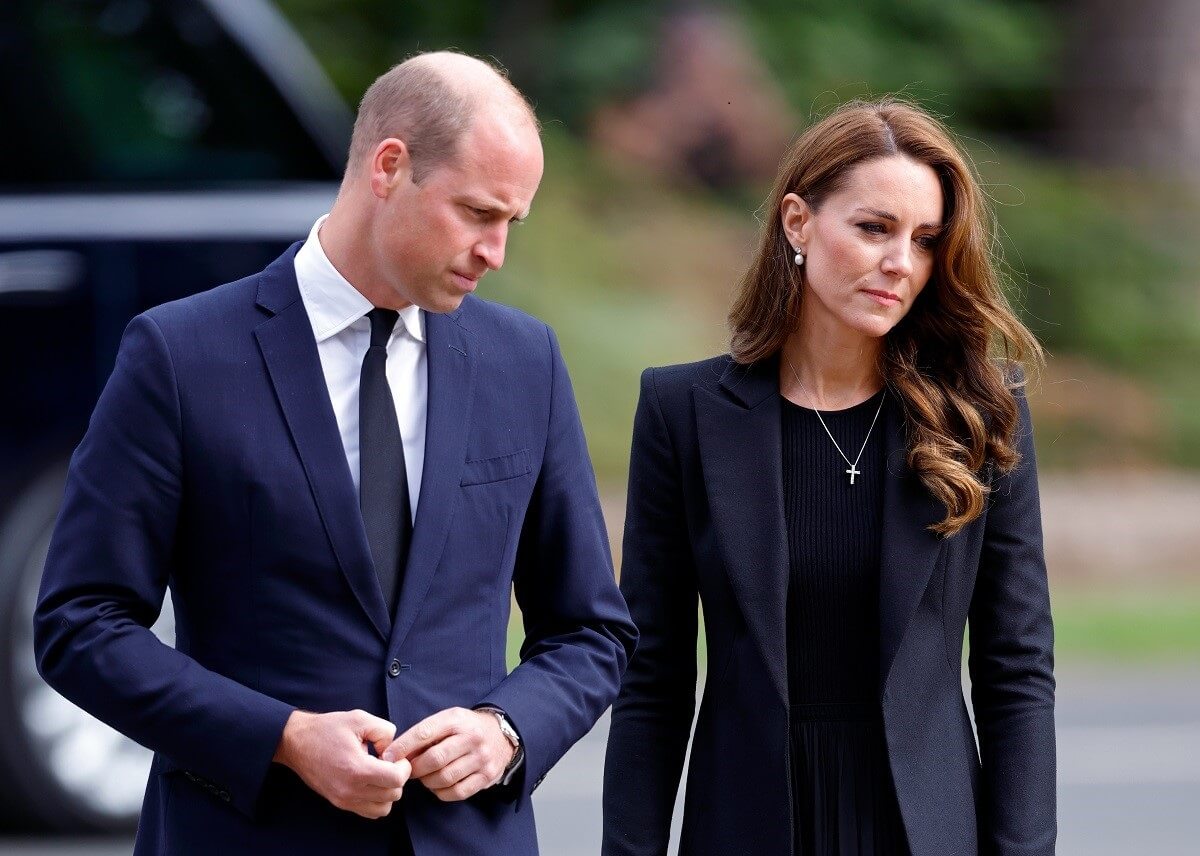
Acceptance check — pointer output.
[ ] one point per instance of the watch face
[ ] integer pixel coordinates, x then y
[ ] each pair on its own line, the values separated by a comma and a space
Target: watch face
508, 731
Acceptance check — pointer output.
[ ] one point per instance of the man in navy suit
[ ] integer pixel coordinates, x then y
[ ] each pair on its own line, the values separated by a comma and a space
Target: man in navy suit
341, 466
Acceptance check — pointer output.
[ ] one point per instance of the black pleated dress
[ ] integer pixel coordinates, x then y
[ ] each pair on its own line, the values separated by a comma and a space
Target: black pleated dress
844, 799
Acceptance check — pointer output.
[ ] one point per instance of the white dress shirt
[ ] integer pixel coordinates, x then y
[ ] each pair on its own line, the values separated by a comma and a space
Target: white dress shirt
338, 313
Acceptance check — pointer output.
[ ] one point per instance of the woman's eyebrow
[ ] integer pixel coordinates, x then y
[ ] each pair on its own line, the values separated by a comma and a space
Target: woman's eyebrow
885, 215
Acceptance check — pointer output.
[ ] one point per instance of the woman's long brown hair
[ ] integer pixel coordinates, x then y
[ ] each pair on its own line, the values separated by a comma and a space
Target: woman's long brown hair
954, 359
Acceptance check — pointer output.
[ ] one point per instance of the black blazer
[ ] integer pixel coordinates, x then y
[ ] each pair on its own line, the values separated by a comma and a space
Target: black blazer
705, 518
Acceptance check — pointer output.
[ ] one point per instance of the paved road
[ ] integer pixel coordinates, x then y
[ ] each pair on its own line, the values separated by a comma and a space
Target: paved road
1129, 773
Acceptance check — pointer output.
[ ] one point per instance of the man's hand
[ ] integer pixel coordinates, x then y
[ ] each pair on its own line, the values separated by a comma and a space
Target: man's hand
328, 751
456, 753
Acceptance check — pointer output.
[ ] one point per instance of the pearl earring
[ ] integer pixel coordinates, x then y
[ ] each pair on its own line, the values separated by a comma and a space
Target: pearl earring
799, 259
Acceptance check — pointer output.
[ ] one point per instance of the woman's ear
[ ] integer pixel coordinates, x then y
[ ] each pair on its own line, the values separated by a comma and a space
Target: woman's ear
795, 215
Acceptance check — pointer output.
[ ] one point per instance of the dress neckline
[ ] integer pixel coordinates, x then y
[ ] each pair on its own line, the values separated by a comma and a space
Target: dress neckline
867, 403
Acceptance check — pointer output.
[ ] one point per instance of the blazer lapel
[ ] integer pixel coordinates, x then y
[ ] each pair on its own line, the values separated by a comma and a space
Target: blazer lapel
909, 550
290, 352
741, 458
451, 370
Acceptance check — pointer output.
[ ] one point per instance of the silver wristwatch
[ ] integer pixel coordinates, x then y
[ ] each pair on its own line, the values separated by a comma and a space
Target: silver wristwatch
510, 734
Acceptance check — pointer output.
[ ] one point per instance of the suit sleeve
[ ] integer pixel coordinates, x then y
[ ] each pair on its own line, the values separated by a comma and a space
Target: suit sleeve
1011, 663
578, 635
652, 717
106, 574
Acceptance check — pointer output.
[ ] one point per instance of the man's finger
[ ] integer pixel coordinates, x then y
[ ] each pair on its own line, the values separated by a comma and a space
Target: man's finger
371, 793
391, 791
371, 729
422, 735
385, 774
453, 773
374, 810
440, 755
468, 787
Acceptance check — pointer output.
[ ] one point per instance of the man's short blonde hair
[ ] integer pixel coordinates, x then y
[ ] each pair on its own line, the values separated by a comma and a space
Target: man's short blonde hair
417, 102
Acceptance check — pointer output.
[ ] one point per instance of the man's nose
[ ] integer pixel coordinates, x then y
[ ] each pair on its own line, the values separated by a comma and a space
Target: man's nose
491, 247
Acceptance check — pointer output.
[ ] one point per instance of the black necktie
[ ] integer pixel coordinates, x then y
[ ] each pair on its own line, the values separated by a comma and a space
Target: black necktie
383, 478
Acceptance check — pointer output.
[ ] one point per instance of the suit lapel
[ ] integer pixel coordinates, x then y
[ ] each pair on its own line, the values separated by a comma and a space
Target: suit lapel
290, 352
741, 456
451, 369
909, 551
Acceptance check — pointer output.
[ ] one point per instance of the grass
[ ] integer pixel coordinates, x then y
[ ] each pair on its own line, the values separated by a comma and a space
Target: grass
1159, 624
1153, 626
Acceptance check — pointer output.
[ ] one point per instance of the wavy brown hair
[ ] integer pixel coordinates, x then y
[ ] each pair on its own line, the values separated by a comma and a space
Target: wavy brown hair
954, 360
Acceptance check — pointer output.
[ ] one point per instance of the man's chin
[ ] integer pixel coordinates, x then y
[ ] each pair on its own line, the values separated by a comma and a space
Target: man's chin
444, 303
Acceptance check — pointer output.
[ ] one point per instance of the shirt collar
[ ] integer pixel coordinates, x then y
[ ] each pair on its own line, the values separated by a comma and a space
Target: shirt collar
413, 320
334, 304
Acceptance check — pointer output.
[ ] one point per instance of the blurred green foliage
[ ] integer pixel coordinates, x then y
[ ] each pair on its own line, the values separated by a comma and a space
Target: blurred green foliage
987, 65
566, 55
982, 65
1098, 275
1102, 266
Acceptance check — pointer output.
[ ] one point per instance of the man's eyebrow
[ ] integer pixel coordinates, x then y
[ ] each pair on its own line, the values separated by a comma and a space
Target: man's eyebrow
885, 215
491, 206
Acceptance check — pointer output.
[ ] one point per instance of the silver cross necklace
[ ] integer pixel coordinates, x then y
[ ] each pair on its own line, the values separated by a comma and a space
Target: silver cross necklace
854, 470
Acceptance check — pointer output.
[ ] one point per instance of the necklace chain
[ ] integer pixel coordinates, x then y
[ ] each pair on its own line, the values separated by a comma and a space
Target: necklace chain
854, 470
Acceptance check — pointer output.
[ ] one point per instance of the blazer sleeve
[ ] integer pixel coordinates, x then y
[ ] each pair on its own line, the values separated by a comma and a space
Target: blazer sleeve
105, 577
1011, 664
578, 635
653, 715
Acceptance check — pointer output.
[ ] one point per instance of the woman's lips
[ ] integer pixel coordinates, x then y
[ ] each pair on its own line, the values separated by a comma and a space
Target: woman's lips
883, 298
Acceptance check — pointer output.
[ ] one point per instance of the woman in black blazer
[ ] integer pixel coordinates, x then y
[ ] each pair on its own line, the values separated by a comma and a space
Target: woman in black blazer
845, 494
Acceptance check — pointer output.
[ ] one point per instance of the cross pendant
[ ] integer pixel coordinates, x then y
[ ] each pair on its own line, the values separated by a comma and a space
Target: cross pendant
853, 472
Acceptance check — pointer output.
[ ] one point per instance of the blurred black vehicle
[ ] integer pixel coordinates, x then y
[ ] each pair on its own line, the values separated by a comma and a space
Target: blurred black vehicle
149, 149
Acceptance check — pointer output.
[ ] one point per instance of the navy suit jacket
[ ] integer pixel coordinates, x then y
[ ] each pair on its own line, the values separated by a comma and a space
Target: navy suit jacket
706, 521
213, 465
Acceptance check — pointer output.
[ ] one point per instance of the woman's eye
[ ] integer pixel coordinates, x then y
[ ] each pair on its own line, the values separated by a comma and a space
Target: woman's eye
873, 228
928, 242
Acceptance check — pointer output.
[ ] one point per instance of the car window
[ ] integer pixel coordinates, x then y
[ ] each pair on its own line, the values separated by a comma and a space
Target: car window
130, 93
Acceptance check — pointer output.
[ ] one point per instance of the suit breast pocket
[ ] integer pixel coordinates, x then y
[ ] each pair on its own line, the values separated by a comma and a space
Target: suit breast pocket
496, 469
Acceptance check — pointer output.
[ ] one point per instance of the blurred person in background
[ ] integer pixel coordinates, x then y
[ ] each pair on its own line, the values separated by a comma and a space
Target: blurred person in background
340, 466
845, 492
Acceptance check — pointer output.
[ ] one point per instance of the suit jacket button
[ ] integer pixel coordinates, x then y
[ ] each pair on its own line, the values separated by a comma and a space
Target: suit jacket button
394, 668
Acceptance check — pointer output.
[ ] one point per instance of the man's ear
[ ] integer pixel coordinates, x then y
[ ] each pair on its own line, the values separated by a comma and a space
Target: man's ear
391, 166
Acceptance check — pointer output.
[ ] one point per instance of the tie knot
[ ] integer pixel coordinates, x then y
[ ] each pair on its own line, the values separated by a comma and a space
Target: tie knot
382, 323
